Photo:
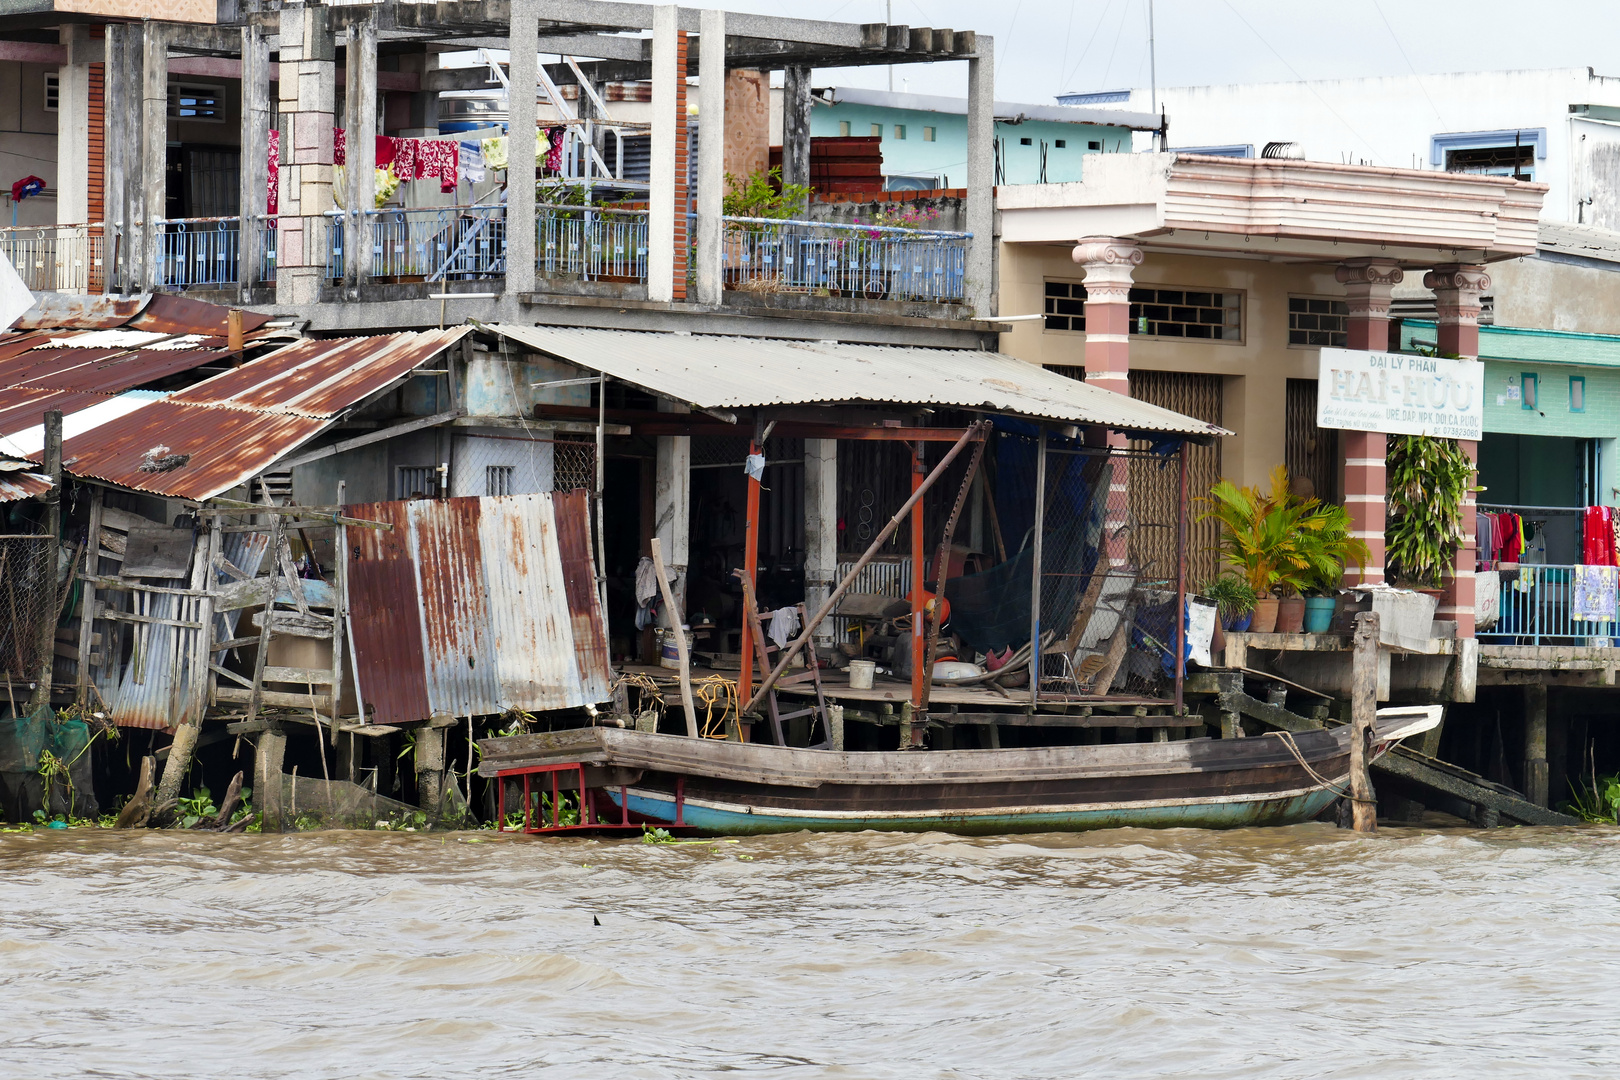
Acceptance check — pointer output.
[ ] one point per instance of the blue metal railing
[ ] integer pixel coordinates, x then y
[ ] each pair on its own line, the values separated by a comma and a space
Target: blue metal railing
451, 243
869, 261
592, 243
1545, 605
199, 251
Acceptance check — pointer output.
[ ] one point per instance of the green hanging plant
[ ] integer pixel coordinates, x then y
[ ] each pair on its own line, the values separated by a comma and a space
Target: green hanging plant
1428, 480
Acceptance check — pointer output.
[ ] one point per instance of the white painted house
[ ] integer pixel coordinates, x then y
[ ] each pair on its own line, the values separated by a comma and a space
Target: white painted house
1560, 127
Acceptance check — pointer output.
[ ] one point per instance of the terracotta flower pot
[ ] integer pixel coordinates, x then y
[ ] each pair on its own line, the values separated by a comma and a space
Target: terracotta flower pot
1265, 615
1291, 615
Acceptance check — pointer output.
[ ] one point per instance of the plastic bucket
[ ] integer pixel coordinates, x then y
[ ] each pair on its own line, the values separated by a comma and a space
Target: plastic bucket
860, 674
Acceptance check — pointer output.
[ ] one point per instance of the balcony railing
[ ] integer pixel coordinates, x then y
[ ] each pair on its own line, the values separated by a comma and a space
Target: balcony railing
56, 258
1548, 605
866, 261
201, 252
451, 243
591, 243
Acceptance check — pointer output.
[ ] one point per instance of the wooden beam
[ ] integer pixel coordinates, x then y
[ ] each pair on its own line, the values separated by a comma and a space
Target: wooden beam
367, 439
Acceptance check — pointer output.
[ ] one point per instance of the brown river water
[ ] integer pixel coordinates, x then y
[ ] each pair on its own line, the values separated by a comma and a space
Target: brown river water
1303, 952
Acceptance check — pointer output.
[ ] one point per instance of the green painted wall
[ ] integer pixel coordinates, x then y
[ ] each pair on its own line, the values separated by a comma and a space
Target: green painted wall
946, 156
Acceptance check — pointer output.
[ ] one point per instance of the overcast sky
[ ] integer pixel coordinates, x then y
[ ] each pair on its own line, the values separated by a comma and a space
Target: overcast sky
1044, 47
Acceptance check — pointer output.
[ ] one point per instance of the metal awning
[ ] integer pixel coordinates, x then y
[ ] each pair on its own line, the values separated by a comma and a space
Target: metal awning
709, 371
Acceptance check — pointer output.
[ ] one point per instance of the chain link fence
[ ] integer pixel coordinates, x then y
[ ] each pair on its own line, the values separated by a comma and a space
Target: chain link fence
28, 601
516, 464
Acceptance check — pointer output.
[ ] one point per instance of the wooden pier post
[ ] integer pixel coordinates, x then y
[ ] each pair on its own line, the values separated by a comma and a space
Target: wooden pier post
1535, 743
268, 756
1363, 719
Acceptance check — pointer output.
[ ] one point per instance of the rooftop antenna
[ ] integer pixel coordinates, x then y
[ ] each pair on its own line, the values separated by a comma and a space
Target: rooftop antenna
888, 17
1153, 72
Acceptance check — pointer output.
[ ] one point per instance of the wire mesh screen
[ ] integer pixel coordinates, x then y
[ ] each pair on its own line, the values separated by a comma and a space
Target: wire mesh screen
507, 464
1108, 567
28, 584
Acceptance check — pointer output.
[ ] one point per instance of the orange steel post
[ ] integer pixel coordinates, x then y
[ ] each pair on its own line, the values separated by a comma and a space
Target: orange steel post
745, 679
918, 643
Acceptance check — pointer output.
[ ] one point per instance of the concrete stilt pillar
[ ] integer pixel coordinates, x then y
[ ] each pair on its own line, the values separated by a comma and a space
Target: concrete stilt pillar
820, 528
73, 127
117, 139
429, 768
254, 178
712, 145
520, 220
360, 126
154, 171
672, 504
1535, 743
981, 178
796, 105
662, 206
268, 757
1457, 289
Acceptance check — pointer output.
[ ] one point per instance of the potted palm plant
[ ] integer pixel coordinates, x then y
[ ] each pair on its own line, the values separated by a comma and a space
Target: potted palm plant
1261, 539
1328, 549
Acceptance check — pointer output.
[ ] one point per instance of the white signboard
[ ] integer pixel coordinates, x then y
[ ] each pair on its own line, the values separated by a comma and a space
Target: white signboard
1400, 394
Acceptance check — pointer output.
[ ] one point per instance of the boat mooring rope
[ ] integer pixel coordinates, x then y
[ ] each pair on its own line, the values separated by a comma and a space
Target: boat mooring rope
1287, 738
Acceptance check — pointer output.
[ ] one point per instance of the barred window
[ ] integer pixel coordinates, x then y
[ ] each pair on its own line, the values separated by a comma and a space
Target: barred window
1065, 305
498, 479
1314, 321
418, 482
1187, 313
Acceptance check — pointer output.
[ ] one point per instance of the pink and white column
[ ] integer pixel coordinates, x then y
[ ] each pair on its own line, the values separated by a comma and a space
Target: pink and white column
1109, 264
1368, 285
1457, 289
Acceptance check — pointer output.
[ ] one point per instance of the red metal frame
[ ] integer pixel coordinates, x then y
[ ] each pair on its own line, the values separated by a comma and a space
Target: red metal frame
588, 819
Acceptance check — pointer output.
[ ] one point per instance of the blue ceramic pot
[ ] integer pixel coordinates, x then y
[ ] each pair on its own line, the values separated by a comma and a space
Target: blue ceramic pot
1319, 613
1240, 623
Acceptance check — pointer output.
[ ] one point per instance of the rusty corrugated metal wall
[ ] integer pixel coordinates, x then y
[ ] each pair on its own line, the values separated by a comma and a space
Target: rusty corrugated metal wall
474, 606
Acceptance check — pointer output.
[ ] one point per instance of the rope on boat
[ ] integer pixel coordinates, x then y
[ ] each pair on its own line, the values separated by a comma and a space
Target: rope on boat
1287, 738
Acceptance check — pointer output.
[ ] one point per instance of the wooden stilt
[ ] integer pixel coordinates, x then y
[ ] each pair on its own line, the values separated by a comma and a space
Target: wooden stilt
1363, 717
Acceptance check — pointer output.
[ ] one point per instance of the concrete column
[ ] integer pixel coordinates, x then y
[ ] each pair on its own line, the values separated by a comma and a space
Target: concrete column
254, 178
672, 503
1535, 743
154, 150
308, 89
1368, 284
981, 178
661, 208
73, 127
360, 126
796, 106
524, 76
1457, 289
115, 149
715, 116
820, 527
748, 122
1109, 264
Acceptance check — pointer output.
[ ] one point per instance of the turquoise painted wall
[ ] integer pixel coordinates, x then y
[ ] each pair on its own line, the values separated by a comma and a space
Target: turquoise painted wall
946, 156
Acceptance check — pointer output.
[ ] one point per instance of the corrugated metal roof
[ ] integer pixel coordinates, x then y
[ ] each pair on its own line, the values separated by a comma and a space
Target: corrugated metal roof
169, 313
322, 378
716, 372
503, 622
17, 482
232, 427
62, 311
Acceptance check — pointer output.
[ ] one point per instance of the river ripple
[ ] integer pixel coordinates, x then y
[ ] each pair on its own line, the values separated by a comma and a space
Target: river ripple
1303, 952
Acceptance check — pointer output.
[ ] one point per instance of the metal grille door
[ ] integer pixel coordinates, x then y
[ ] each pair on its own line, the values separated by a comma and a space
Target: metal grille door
1155, 490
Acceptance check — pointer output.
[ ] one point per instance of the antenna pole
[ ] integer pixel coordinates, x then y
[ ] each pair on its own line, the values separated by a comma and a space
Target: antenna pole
888, 17
1153, 70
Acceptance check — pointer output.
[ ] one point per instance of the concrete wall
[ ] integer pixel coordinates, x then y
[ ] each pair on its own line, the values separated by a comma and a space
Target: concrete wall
1255, 369
1550, 295
27, 140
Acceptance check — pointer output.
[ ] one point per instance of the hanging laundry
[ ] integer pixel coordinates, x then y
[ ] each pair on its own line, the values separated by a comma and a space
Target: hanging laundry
340, 147
436, 157
1596, 589
1535, 548
471, 162
385, 151
495, 150
555, 153
273, 187
1597, 536
404, 164
784, 624
1484, 540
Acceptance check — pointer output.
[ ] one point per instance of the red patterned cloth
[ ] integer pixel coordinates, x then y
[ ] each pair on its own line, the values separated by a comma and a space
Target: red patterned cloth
439, 158
555, 153
405, 159
340, 147
273, 189
1598, 536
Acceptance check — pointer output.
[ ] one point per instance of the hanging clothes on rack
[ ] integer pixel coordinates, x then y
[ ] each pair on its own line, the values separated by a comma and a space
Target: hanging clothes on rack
1597, 536
1484, 540
272, 195
554, 154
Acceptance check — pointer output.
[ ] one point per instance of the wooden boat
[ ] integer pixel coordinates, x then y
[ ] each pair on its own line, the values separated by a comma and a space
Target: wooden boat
633, 778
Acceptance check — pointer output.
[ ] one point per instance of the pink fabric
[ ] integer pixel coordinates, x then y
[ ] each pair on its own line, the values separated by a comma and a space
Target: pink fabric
554, 155
273, 189
340, 146
405, 159
439, 158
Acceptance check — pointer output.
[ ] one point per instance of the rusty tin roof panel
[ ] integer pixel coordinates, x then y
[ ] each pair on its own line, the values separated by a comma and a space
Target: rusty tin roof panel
63, 311
24, 407
172, 314
221, 448
322, 378
385, 616
497, 626
18, 483
101, 371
